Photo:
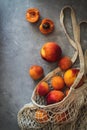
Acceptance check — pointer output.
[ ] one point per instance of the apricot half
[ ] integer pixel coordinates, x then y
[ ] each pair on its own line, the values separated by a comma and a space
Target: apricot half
32, 15
46, 26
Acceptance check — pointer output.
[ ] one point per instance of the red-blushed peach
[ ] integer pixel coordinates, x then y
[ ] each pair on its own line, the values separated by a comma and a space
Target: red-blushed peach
54, 96
42, 88
36, 72
51, 52
70, 76
57, 82
65, 63
41, 116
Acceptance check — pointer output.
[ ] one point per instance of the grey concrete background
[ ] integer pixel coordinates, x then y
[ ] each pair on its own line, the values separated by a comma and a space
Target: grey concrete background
20, 43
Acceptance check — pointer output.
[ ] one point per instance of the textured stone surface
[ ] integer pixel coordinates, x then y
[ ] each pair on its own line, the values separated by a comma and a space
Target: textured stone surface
20, 43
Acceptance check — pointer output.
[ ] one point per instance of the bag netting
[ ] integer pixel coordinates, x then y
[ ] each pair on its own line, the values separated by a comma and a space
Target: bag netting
72, 109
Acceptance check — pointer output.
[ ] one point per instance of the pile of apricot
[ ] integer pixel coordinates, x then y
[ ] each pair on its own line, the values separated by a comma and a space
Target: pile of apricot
59, 85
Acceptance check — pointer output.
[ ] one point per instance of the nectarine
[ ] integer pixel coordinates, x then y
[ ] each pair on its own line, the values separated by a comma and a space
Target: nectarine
54, 96
42, 88
57, 82
36, 72
51, 52
65, 63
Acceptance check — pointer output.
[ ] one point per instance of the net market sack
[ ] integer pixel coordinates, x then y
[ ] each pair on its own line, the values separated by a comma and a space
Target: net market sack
67, 110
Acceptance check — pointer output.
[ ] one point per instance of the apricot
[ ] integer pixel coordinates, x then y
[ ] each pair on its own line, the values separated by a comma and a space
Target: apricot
41, 116
65, 63
61, 117
57, 82
42, 88
32, 15
51, 52
36, 72
54, 96
46, 26
70, 76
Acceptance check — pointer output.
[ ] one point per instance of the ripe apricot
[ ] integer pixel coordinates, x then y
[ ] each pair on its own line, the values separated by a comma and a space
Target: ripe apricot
42, 88
36, 72
51, 52
59, 118
46, 26
32, 15
57, 82
41, 116
70, 76
65, 63
54, 96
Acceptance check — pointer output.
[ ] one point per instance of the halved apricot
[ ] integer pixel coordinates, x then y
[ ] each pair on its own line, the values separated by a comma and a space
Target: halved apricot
32, 15
46, 26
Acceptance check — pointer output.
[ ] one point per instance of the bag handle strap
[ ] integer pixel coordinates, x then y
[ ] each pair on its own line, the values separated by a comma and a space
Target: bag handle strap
75, 43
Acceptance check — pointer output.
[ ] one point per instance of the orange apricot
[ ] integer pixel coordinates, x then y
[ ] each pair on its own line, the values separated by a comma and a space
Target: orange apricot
32, 15
36, 72
65, 63
41, 116
46, 26
57, 82
59, 118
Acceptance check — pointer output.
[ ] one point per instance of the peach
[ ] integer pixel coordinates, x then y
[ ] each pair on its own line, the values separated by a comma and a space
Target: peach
36, 72
57, 82
65, 63
70, 76
42, 88
41, 116
51, 52
54, 96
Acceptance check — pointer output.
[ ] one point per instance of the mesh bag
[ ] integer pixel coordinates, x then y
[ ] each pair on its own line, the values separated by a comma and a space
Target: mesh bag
39, 115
